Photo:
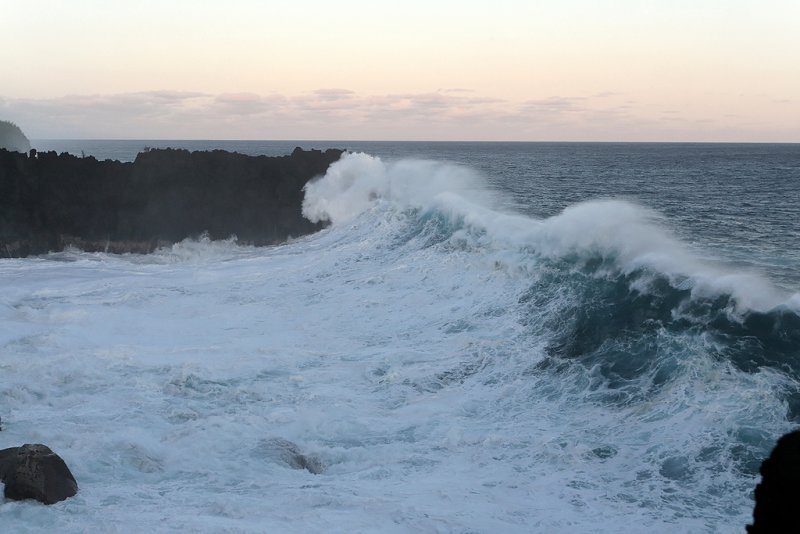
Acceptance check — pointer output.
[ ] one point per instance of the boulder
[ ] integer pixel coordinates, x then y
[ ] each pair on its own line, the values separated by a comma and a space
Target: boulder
33, 471
778, 493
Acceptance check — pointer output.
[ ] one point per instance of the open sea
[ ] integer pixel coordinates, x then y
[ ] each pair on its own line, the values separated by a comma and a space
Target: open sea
490, 337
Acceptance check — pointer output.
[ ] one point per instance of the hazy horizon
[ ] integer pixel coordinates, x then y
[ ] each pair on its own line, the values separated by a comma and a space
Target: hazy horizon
569, 71
314, 140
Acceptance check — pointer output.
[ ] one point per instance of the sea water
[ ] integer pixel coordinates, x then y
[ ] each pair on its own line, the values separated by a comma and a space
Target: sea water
489, 337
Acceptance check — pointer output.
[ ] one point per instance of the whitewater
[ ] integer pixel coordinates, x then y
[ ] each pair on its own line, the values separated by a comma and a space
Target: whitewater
452, 360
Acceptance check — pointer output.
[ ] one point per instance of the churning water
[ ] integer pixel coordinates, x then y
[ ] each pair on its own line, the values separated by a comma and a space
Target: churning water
488, 338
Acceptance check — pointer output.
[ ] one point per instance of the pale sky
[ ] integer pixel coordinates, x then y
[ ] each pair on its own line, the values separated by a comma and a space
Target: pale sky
560, 70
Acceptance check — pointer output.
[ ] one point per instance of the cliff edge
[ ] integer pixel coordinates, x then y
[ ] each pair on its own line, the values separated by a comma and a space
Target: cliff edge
50, 201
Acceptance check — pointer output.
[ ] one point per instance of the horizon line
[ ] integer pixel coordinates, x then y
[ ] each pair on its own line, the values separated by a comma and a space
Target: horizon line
555, 141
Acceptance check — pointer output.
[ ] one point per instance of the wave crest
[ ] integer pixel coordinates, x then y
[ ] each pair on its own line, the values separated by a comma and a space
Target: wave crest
357, 181
629, 237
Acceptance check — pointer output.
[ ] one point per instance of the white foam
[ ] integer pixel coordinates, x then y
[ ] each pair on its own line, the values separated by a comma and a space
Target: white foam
404, 368
355, 182
407, 367
635, 236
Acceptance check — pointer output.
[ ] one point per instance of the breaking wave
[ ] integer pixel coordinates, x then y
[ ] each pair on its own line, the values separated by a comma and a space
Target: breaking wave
605, 282
433, 352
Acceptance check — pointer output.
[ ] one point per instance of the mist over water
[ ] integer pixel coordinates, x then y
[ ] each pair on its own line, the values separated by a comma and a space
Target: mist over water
486, 339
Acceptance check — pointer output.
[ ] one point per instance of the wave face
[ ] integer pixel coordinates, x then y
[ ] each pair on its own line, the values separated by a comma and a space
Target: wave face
455, 365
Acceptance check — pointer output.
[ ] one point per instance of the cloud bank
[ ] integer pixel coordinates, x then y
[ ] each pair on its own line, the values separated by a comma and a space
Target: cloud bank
339, 113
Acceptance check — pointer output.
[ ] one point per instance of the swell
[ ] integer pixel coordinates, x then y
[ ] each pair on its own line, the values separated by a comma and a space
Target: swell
637, 331
605, 283
603, 236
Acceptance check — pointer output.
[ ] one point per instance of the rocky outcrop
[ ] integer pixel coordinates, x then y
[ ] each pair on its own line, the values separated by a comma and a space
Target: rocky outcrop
50, 201
35, 472
12, 138
778, 492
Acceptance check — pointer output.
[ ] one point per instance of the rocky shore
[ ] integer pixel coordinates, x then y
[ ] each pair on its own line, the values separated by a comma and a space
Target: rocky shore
50, 201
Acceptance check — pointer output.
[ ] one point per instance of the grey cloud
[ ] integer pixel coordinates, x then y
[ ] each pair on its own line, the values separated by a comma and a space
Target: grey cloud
553, 104
334, 94
331, 113
245, 104
129, 103
430, 106
455, 90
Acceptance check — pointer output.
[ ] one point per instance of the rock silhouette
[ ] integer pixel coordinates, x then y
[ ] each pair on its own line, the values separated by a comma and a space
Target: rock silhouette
50, 201
778, 493
35, 472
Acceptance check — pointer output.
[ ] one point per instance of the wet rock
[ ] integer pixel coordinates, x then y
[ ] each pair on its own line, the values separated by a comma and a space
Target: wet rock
286, 452
33, 471
778, 492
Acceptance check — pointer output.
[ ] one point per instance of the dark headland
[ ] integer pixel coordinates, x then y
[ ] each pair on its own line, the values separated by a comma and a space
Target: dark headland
12, 138
49, 201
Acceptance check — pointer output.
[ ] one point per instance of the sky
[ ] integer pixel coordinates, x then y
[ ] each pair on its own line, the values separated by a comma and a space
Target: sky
504, 70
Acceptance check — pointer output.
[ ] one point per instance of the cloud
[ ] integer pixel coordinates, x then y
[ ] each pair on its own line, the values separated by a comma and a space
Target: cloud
103, 115
340, 113
324, 112
334, 94
243, 104
552, 105
455, 90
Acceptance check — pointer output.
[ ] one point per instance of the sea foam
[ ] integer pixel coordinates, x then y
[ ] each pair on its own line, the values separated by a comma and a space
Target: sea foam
455, 367
636, 237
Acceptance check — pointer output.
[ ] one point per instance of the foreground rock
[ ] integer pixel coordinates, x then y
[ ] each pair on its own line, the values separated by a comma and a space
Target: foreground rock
35, 472
50, 201
778, 494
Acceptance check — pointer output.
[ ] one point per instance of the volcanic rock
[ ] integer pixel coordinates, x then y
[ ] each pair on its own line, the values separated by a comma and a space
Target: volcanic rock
35, 472
50, 201
778, 494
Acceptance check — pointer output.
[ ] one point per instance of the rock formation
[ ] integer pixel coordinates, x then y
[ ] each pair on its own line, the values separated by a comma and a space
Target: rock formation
35, 472
49, 201
778, 493
12, 138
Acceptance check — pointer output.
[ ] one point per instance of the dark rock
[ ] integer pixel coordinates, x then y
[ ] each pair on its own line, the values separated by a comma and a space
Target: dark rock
52, 201
35, 472
778, 494
286, 452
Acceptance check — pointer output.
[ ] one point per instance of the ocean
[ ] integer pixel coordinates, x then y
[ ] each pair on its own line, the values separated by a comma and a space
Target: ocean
489, 337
